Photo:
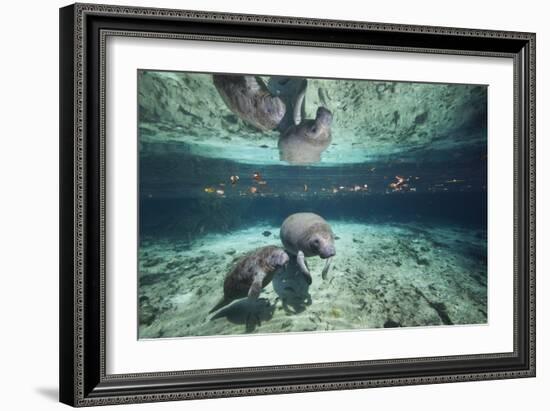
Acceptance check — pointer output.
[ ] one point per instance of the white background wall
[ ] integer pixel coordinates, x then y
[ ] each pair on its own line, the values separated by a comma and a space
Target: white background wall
29, 204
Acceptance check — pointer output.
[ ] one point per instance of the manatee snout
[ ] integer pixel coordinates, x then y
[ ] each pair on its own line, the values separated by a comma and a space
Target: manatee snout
279, 259
323, 117
323, 247
327, 252
275, 110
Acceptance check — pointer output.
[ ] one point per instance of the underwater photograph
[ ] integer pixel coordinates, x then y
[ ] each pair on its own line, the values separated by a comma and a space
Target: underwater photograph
275, 204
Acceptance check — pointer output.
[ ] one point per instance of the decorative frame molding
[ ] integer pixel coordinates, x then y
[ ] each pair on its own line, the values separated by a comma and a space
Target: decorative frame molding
84, 29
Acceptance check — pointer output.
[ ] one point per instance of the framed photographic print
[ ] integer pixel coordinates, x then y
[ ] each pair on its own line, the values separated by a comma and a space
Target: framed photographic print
261, 204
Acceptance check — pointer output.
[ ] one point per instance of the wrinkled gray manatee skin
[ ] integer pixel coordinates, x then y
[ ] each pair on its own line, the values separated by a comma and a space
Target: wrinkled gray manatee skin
249, 98
251, 274
308, 235
304, 143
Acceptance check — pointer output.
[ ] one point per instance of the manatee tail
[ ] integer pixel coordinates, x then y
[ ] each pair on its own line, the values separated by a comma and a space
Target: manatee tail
222, 303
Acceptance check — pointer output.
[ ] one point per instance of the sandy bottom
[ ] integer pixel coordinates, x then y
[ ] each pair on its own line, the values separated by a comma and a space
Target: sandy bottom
383, 275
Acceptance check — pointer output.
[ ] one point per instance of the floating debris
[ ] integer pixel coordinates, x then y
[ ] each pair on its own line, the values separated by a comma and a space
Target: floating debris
262, 182
220, 192
400, 184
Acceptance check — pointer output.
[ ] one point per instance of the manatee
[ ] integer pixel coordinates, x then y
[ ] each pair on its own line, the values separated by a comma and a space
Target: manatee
249, 98
251, 274
308, 235
304, 143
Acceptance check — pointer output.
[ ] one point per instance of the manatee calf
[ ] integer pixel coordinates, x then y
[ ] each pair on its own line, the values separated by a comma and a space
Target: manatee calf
307, 235
249, 98
304, 143
252, 273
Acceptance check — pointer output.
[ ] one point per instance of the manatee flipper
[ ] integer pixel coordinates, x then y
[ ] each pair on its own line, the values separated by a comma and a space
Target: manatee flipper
222, 303
326, 268
299, 107
256, 286
300, 259
253, 319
